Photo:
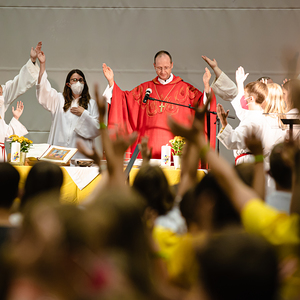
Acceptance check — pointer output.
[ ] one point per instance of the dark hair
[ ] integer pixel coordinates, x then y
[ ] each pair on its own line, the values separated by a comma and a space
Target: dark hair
152, 184
288, 85
258, 90
43, 177
67, 93
236, 265
116, 219
264, 77
293, 88
279, 170
245, 172
162, 52
224, 214
9, 184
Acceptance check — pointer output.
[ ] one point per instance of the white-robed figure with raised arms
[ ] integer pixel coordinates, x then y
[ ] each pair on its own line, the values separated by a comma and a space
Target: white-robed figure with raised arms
10, 91
74, 113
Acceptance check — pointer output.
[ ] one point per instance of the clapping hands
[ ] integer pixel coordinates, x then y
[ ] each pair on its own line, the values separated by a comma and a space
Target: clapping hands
34, 52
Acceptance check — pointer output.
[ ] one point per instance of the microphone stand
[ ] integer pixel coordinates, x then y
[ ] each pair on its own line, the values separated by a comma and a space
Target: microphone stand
208, 116
187, 106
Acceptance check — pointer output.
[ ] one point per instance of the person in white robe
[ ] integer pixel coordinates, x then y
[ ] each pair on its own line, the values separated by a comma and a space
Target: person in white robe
74, 113
26, 78
252, 119
10, 91
14, 127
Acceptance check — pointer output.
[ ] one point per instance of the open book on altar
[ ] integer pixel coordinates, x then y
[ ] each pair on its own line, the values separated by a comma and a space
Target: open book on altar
51, 153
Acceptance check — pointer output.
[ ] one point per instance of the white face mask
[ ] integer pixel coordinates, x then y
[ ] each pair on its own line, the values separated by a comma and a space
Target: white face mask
77, 88
1, 100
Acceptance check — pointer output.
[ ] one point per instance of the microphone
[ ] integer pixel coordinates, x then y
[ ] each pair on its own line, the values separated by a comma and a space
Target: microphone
148, 92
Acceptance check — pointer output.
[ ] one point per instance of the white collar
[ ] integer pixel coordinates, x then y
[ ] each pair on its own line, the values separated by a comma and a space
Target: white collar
166, 81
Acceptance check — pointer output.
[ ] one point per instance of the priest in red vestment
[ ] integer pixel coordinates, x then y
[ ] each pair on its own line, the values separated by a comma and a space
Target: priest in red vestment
149, 119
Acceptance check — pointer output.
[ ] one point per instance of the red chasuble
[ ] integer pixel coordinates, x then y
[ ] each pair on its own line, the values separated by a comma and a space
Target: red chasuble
150, 119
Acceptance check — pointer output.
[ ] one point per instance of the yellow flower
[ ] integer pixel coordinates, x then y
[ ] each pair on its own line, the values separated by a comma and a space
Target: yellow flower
13, 135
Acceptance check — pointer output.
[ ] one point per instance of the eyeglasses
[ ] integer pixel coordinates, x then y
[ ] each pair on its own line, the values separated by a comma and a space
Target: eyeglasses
81, 80
162, 68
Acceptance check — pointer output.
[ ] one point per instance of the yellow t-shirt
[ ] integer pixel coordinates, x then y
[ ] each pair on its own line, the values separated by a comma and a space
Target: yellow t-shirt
166, 239
277, 227
183, 266
282, 231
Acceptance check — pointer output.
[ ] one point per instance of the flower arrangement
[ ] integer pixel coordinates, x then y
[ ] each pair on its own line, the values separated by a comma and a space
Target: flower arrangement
177, 145
25, 142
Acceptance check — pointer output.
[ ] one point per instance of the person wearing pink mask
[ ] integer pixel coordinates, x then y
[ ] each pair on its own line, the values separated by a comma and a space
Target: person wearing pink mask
74, 113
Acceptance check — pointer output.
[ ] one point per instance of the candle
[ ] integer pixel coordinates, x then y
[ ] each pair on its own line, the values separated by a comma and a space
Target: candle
15, 152
165, 156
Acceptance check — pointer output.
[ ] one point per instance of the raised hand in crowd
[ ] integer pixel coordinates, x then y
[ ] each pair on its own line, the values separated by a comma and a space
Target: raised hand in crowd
90, 153
214, 65
18, 111
238, 191
108, 73
222, 115
114, 148
291, 156
189, 166
34, 52
146, 152
240, 77
254, 144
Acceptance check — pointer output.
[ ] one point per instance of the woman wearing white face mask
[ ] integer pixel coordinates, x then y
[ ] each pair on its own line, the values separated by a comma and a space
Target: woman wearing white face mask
74, 113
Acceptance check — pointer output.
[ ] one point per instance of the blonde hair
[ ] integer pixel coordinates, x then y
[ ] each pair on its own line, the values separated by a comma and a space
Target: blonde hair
258, 90
274, 101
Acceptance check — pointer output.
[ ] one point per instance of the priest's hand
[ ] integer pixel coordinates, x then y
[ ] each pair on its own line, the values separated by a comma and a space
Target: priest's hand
77, 110
34, 52
222, 115
18, 111
109, 74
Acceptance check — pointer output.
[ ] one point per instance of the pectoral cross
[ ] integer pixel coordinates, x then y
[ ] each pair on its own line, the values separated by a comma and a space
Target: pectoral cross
161, 107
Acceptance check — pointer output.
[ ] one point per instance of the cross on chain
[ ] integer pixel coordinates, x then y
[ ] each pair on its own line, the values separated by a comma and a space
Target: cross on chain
161, 107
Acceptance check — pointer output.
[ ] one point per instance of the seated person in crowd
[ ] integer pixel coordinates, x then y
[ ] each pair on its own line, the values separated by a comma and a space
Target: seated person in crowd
281, 172
236, 265
44, 178
278, 228
9, 185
